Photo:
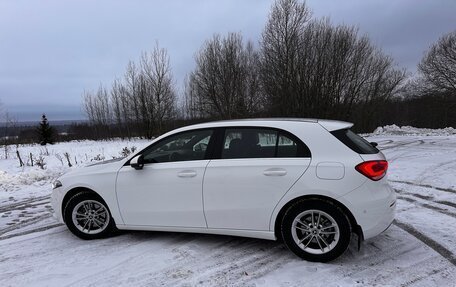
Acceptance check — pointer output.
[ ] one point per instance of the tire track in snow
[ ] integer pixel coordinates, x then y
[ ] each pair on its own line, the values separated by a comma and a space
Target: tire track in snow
384, 142
423, 276
251, 259
135, 238
434, 142
446, 253
426, 198
425, 185
452, 204
25, 223
402, 155
25, 204
34, 230
247, 267
401, 144
381, 256
38, 207
424, 174
428, 206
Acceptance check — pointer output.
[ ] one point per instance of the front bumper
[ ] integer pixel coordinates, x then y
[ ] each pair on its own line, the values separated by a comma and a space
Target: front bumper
56, 202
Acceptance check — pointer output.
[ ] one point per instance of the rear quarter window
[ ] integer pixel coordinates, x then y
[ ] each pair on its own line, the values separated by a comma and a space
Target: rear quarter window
355, 142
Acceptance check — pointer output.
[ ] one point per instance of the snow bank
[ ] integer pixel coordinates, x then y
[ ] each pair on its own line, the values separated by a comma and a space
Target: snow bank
408, 130
29, 180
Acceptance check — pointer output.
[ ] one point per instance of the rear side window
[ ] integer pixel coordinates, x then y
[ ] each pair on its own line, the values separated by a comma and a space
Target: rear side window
261, 143
249, 143
287, 147
355, 142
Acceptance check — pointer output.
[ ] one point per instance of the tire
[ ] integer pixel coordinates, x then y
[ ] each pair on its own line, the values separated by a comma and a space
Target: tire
320, 241
88, 217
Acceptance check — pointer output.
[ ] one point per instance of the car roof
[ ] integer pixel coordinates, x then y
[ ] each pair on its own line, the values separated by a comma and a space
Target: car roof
272, 120
329, 125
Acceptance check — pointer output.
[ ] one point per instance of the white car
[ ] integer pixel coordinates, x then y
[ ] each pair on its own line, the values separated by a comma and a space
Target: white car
311, 183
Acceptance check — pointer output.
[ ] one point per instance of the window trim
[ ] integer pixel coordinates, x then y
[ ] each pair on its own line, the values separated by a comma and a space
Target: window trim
217, 153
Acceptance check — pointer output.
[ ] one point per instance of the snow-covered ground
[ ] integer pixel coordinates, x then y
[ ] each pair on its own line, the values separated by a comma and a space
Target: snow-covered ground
418, 250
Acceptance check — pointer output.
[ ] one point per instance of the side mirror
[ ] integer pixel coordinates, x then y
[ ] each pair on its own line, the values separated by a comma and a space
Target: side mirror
374, 144
137, 162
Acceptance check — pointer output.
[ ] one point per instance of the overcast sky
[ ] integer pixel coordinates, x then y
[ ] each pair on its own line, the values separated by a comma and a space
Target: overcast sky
51, 51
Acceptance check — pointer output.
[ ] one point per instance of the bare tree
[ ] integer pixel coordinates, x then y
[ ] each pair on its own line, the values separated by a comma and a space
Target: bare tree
9, 123
103, 111
225, 81
280, 47
438, 66
88, 105
4, 136
130, 103
157, 92
191, 109
97, 108
315, 69
117, 91
140, 104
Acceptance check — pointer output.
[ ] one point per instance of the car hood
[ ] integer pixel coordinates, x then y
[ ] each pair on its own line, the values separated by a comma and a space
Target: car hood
106, 161
103, 166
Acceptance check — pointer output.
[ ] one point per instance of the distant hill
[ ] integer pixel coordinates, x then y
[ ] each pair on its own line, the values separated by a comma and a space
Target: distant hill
52, 123
27, 129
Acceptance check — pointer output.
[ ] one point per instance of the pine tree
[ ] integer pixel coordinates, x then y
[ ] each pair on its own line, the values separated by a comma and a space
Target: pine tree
45, 132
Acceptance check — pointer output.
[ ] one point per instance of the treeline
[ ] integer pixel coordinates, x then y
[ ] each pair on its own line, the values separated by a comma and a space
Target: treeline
301, 67
140, 104
434, 110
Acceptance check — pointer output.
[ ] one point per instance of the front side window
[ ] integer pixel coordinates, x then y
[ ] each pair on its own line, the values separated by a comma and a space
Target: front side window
191, 145
261, 143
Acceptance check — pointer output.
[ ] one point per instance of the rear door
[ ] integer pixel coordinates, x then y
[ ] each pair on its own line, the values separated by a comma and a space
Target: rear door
255, 167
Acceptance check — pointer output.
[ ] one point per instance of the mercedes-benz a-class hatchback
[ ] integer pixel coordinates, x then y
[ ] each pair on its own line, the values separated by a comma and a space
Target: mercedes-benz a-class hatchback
311, 183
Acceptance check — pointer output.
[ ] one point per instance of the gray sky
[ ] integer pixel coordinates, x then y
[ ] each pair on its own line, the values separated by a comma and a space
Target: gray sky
51, 51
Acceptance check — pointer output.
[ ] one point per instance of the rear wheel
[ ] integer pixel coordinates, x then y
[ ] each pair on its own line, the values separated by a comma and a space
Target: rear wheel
316, 230
87, 216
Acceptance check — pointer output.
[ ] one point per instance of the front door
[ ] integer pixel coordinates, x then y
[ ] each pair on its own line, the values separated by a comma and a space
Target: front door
168, 190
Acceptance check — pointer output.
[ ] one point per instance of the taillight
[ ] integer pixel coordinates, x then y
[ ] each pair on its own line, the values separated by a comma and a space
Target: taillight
373, 169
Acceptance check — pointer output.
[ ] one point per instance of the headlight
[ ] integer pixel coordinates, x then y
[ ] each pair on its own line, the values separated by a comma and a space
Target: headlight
56, 184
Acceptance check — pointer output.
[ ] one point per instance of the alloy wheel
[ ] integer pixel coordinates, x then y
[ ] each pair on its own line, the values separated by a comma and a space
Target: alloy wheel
315, 231
90, 216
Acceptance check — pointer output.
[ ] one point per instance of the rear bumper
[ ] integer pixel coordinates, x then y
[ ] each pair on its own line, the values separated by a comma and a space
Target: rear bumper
373, 205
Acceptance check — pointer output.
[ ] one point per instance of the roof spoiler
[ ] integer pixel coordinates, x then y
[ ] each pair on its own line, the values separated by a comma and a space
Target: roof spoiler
331, 125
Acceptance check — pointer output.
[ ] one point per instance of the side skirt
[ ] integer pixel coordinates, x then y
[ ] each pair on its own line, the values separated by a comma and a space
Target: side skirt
268, 235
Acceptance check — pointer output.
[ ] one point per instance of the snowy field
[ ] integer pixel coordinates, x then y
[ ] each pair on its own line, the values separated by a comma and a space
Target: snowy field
418, 250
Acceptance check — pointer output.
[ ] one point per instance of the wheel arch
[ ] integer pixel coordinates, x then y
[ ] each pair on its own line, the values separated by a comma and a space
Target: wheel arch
73, 192
355, 227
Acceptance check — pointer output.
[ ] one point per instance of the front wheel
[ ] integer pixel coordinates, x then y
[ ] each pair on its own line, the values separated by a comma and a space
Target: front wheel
88, 217
316, 230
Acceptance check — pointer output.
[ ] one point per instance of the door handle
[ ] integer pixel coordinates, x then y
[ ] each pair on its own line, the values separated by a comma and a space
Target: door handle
275, 172
187, 173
